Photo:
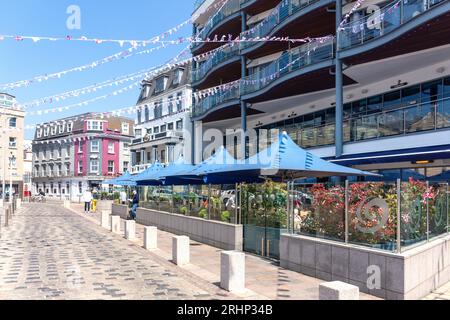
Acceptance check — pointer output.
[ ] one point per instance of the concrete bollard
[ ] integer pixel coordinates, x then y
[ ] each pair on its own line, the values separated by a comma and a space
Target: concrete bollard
66, 204
338, 290
232, 271
130, 229
1, 203
105, 219
19, 203
150, 238
181, 250
6, 210
115, 224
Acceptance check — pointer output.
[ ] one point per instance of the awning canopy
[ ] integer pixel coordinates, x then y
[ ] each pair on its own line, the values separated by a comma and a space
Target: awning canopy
124, 180
284, 159
149, 176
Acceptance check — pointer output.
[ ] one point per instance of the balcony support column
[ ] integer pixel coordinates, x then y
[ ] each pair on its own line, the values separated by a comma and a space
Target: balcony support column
155, 153
339, 91
243, 103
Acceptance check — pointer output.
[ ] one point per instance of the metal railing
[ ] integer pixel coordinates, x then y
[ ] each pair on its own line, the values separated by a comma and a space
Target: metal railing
224, 53
230, 8
382, 21
283, 11
290, 61
210, 102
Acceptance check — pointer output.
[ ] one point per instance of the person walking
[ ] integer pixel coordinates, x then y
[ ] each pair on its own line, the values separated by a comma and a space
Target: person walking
87, 199
134, 204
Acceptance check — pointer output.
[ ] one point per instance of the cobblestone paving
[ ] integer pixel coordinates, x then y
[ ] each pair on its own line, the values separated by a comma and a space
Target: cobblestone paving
51, 253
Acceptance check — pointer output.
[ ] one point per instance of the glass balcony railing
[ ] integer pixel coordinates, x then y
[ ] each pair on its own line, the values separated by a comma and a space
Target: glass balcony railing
283, 11
204, 105
198, 4
382, 21
223, 54
230, 8
290, 61
421, 117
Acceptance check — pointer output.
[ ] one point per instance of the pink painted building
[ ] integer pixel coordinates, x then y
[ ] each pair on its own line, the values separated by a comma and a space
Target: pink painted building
73, 154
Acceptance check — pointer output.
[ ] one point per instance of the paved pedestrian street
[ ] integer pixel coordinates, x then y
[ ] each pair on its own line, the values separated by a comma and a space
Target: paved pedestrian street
52, 253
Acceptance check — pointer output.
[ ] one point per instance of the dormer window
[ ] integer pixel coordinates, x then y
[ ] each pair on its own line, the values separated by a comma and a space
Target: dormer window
178, 76
94, 125
46, 131
160, 84
61, 128
53, 130
69, 127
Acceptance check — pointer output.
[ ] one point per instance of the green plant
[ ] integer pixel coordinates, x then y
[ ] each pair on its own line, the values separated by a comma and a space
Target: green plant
184, 210
203, 213
226, 216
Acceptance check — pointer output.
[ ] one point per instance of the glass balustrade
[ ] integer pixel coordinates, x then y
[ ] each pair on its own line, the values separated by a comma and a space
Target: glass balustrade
230, 8
283, 11
382, 21
223, 54
289, 61
210, 102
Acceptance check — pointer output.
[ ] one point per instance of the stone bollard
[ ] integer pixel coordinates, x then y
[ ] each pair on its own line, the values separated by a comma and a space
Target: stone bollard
130, 229
338, 290
151, 238
6, 210
105, 219
1, 203
232, 271
67, 204
115, 224
181, 250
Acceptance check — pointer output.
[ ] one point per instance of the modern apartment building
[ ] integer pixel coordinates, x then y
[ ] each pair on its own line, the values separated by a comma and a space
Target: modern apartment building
163, 125
11, 146
375, 96
76, 153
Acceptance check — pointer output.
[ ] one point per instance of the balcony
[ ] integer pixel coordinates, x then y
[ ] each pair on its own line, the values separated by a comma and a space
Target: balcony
284, 22
229, 12
290, 61
205, 105
140, 168
225, 55
421, 117
413, 24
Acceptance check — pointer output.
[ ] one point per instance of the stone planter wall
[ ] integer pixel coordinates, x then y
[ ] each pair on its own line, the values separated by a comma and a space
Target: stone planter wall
409, 275
222, 235
120, 210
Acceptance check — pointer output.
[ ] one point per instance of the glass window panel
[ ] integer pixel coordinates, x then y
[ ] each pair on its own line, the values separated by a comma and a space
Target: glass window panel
319, 118
347, 110
420, 118
411, 95
431, 90
359, 107
330, 115
374, 104
447, 87
391, 100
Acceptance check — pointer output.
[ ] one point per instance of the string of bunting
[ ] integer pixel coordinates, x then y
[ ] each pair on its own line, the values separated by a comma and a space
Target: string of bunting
348, 14
86, 90
358, 26
143, 74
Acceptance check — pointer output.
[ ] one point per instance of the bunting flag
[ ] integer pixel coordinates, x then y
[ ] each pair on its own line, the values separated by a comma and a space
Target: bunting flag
359, 25
352, 10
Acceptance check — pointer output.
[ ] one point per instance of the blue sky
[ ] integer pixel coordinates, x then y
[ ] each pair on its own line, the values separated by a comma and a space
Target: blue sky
130, 19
